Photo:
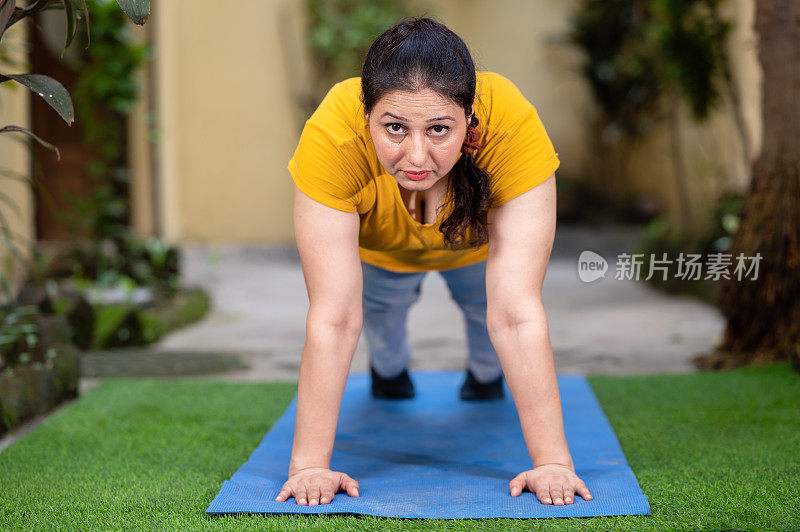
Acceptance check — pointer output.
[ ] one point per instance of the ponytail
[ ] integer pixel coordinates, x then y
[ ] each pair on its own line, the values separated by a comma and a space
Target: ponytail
470, 193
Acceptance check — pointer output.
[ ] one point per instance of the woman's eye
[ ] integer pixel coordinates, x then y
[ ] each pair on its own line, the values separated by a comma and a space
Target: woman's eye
394, 128
441, 129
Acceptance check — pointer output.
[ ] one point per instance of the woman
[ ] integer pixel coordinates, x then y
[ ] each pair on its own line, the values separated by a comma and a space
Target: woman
423, 164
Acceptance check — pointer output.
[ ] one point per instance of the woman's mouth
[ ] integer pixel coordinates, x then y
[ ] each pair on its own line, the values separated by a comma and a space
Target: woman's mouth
416, 176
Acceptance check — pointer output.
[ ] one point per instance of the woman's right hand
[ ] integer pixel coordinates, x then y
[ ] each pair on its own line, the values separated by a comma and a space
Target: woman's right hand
316, 485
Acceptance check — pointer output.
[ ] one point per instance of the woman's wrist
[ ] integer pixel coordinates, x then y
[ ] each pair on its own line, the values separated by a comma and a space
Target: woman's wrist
566, 462
295, 466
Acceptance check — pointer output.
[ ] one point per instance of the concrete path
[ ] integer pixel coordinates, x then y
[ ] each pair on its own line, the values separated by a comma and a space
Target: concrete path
605, 327
259, 307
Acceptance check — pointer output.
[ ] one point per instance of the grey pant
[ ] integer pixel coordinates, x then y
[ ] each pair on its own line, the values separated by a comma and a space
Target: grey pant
388, 295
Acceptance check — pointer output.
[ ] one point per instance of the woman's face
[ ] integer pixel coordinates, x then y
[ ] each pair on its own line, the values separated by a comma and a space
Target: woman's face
417, 136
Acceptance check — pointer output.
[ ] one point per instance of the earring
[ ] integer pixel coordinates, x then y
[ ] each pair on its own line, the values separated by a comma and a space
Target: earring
471, 140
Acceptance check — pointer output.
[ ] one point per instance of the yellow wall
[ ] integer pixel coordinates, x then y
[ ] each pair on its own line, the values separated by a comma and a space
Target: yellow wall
227, 123
142, 146
521, 40
14, 164
227, 88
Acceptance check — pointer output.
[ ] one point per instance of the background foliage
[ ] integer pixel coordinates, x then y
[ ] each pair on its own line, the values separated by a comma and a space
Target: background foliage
340, 34
643, 53
105, 92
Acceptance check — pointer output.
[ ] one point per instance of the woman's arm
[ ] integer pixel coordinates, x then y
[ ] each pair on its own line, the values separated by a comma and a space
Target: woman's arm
521, 233
327, 240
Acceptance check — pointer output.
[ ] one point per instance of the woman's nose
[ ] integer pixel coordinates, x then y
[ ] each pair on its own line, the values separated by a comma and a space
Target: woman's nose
415, 151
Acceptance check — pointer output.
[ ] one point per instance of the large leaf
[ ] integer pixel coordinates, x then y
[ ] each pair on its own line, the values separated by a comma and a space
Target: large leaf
18, 129
73, 10
72, 24
6, 10
48, 88
82, 5
137, 10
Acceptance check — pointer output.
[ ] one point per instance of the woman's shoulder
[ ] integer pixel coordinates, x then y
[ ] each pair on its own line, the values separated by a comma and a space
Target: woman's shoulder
495, 79
500, 101
332, 145
345, 93
341, 112
517, 151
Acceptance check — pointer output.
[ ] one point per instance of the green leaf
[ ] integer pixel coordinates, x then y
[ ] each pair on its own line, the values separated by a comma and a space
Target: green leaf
72, 24
730, 222
48, 88
6, 9
85, 10
17, 129
30, 340
137, 10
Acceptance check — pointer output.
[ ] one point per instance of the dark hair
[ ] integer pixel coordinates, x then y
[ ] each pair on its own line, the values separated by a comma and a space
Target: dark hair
417, 54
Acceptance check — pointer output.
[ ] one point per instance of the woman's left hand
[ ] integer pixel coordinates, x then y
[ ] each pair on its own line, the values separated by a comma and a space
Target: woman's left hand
552, 483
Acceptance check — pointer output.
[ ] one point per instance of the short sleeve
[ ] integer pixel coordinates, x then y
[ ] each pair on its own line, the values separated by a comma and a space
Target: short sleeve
519, 154
323, 167
525, 157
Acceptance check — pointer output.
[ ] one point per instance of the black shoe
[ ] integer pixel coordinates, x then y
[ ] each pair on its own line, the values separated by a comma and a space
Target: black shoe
472, 390
399, 387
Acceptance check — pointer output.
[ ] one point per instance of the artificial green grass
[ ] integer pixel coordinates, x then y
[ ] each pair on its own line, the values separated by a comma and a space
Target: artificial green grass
712, 451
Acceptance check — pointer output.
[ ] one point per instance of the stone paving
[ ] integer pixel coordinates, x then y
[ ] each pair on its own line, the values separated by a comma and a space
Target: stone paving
138, 362
615, 327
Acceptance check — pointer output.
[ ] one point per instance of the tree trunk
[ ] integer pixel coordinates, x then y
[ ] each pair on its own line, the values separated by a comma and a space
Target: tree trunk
763, 315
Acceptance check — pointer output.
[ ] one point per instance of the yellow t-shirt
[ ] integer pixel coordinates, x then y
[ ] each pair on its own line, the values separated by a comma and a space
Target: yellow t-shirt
335, 164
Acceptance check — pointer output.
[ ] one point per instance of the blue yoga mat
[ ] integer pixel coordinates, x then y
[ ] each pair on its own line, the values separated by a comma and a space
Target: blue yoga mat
435, 456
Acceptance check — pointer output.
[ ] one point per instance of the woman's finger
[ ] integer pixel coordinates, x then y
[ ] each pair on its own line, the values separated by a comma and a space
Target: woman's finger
549, 493
285, 492
300, 495
313, 495
569, 495
582, 490
543, 491
517, 484
349, 484
327, 495
556, 494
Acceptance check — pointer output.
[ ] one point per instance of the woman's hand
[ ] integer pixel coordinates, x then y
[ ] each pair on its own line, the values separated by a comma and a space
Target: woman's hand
552, 483
316, 485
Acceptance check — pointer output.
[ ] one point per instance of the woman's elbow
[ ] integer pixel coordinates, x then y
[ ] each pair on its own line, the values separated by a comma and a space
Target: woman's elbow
528, 310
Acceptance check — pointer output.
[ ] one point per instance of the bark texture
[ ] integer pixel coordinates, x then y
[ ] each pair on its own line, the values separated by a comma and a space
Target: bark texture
763, 315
